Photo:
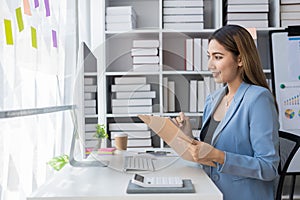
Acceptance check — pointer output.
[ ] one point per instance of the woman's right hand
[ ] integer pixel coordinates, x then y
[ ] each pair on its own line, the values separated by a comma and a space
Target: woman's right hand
183, 122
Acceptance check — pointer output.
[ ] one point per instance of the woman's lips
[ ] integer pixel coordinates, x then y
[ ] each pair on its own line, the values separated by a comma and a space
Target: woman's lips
215, 74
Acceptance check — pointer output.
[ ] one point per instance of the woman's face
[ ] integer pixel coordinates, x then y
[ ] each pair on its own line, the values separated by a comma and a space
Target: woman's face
222, 63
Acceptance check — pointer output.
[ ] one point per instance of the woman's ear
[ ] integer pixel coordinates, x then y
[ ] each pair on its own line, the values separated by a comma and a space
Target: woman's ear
240, 63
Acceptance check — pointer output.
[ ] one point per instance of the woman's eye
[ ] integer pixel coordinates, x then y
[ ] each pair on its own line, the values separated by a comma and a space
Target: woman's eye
218, 57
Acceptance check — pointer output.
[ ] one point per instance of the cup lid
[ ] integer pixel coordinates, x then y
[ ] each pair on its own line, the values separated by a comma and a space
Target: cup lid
120, 135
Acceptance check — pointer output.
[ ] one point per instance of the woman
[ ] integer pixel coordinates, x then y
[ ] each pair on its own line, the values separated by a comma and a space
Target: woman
239, 135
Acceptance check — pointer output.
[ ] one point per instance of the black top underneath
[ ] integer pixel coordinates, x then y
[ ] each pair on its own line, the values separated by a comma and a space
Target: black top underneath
208, 131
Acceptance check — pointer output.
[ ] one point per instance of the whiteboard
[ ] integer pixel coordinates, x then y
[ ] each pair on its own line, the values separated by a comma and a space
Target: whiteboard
280, 56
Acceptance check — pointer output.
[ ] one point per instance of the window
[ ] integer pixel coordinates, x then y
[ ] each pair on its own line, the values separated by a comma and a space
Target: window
38, 49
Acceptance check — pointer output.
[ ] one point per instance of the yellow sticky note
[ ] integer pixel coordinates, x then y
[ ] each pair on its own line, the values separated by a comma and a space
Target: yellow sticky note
26, 7
8, 32
19, 19
33, 38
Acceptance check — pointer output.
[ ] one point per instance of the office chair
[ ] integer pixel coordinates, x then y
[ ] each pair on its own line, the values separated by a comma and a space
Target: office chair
288, 146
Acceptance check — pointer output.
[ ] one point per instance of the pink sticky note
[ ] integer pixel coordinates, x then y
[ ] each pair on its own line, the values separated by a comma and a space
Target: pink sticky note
253, 33
26, 7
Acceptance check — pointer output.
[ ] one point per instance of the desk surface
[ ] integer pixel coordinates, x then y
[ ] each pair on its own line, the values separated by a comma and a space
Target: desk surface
94, 183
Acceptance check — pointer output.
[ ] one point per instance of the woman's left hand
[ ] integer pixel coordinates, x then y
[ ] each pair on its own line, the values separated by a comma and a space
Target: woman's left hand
206, 154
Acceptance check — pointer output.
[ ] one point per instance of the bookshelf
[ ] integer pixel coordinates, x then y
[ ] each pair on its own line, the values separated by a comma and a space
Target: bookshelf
116, 60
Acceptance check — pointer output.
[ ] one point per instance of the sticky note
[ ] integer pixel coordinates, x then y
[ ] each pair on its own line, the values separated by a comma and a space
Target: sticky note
36, 3
33, 38
47, 7
8, 32
26, 7
19, 19
252, 32
54, 38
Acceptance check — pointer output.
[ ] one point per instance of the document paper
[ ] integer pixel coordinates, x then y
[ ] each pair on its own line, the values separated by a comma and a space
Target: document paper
171, 134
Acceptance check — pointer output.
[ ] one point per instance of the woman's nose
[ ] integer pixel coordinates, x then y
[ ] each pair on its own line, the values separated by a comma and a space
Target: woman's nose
210, 64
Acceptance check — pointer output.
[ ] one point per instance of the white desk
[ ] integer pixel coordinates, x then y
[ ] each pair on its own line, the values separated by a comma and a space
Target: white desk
95, 183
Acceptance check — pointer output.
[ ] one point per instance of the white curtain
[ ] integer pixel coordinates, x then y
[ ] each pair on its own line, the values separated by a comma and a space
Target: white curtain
37, 69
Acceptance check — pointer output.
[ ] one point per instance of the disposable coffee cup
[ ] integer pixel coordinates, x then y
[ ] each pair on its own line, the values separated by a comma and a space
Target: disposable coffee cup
121, 141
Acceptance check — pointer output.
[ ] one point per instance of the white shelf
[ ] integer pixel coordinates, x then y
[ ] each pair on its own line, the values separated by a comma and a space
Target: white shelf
90, 74
200, 114
135, 31
186, 72
130, 73
186, 113
91, 116
166, 72
267, 71
127, 115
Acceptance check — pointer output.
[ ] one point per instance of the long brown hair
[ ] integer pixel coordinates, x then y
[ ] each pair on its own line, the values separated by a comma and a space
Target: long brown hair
239, 41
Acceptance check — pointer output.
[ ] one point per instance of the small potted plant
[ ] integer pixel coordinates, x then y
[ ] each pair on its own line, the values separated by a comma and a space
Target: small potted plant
100, 134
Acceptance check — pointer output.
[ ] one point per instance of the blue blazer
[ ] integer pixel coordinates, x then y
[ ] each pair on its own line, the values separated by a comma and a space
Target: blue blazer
248, 134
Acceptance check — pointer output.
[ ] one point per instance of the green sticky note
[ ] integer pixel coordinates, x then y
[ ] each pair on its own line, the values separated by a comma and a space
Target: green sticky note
8, 32
33, 38
19, 19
